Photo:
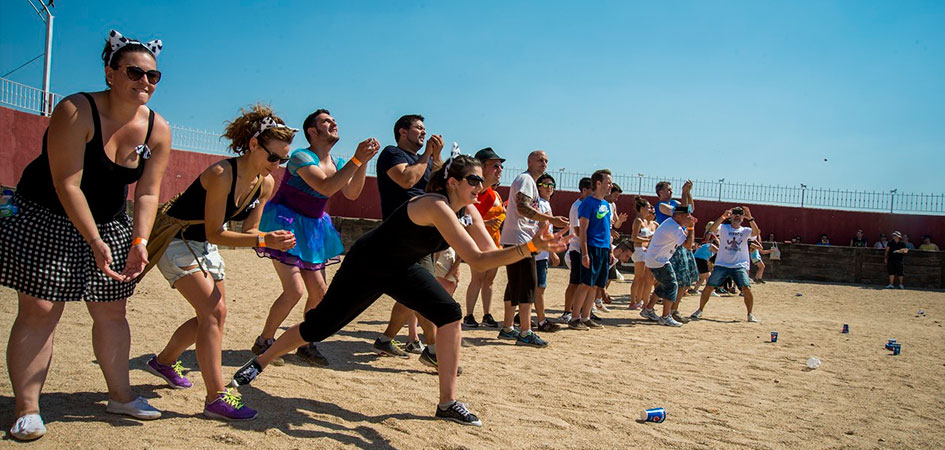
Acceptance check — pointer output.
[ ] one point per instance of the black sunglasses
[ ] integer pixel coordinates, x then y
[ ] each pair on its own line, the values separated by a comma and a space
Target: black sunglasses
135, 73
474, 180
272, 156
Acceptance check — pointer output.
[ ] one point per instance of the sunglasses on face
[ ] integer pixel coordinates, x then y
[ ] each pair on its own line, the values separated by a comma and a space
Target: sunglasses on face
272, 156
549, 185
474, 180
135, 73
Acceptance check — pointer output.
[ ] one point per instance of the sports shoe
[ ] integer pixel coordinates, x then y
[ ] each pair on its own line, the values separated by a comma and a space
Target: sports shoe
429, 359
721, 290
173, 374
649, 314
669, 322
229, 406
603, 308
489, 321
548, 326
470, 321
901, 287
752, 319
416, 347
577, 324
531, 339
889, 286
457, 412
261, 345
760, 281
390, 348
715, 294
137, 408
595, 318
635, 306
679, 318
28, 427
246, 374
503, 334
565, 318
310, 354
591, 323
696, 315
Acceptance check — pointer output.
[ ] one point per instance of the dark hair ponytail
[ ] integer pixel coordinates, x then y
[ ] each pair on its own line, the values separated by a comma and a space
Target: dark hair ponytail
640, 203
457, 168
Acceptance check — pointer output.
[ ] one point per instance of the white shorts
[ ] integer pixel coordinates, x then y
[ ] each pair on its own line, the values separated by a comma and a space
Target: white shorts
639, 255
177, 261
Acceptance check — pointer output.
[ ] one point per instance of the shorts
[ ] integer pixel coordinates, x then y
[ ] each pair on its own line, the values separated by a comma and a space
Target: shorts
541, 267
703, 265
43, 255
895, 267
666, 287
444, 262
596, 275
574, 257
522, 280
685, 266
428, 264
177, 261
738, 274
639, 255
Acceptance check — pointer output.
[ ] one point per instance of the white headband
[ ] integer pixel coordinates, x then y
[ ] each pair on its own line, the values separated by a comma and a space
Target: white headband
268, 122
117, 41
453, 154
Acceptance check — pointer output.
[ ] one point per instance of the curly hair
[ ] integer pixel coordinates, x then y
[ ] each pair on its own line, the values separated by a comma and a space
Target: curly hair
241, 130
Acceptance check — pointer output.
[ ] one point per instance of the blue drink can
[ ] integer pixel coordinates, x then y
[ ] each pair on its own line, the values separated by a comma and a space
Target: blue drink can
890, 344
846, 328
774, 336
896, 348
656, 415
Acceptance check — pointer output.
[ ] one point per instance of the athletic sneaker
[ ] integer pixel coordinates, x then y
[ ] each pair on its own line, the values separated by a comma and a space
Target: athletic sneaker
229, 406
532, 339
310, 354
28, 427
548, 326
137, 408
429, 359
390, 348
565, 318
591, 323
416, 347
457, 412
649, 314
752, 319
715, 294
470, 321
679, 318
594, 317
173, 374
261, 345
603, 308
246, 374
696, 315
760, 281
503, 334
577, 324
889, 286
489, 321
635, 306
669, 322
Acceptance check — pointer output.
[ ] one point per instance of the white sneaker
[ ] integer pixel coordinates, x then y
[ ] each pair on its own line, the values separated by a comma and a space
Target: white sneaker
137, 408
28, 428
889, 286
649, 314
752, 319
715, 294
669, 322
603, 308
696, 315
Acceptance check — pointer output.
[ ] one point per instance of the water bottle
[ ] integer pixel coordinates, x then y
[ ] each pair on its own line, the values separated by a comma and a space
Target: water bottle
7, 208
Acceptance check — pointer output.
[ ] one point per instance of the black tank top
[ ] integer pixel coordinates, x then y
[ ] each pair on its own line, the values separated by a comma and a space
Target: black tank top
398, 242
104, 183
190, 206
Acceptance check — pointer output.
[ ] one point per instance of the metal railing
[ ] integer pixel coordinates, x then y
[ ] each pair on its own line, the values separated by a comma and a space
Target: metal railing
29, 99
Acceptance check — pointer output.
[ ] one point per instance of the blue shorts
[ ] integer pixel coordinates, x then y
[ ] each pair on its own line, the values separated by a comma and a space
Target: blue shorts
666, 287
719, 274
542, 266
596, 275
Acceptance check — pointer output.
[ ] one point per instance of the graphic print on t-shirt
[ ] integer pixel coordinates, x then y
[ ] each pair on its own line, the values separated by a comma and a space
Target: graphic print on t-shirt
734, 244
602, 211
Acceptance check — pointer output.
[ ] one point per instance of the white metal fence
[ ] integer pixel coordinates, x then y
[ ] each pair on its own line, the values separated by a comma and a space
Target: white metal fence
30, 99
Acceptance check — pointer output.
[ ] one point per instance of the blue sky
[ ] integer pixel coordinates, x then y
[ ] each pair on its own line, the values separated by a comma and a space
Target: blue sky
749, 91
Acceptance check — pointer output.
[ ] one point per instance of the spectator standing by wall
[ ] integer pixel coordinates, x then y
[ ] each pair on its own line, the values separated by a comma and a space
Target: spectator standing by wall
895, 253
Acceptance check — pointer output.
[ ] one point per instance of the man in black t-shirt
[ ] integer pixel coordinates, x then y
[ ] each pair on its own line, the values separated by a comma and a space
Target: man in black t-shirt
859, 240
895, 252
403, 173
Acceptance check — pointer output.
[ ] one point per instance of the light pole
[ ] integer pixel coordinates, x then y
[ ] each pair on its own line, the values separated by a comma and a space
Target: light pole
892, 196
640, 184
47, 61
803, 189
721, 180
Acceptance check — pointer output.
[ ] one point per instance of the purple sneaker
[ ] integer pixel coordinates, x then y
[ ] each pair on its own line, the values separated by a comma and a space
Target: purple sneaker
229, 406
174, 375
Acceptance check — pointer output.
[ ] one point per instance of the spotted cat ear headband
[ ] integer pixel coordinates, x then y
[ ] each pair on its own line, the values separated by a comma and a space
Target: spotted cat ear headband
268, 122
117, 41
453, 154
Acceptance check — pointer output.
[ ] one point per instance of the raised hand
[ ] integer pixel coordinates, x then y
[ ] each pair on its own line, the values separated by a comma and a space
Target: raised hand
687, 187
367, 149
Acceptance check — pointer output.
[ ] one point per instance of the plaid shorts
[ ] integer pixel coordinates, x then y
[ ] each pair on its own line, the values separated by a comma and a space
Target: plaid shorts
42, 254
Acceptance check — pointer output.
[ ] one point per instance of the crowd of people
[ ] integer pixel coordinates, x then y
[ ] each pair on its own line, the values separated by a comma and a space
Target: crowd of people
72, 240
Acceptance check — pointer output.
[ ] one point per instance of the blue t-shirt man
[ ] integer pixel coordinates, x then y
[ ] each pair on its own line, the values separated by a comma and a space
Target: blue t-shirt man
660, 216
392, 194
598, 214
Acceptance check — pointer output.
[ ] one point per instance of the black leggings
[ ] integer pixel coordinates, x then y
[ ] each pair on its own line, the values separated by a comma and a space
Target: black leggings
356, 286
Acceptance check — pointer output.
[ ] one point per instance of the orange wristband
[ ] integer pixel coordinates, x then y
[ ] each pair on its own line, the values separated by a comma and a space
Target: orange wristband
140, 240
356, 161
261, 240
531, 247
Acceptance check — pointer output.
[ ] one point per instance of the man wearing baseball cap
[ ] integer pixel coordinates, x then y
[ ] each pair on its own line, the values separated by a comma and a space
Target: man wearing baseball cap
895, 252
493, 214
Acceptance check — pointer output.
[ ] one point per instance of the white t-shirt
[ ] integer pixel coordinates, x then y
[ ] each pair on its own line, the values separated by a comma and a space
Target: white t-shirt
613, 212
544, 207
663, 243
574, 221
733, 247
517, 229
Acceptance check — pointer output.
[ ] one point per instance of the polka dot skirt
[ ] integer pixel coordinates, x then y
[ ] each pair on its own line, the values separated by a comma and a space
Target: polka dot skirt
43, 255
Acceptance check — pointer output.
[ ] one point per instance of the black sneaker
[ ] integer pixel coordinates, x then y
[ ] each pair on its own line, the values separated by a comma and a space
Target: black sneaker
390, 348
246, 374
470, 321
595, 318
457, 412
261, 345
310, 354
548, 326
488, 321
430, 359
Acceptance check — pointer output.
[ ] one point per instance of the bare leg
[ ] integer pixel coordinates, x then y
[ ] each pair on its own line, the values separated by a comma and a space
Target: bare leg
760, 273
749, 298
472, 291
487, 282
29, 350
569, 294
111, 342
448, 359
705, 296
540, 303
292, 285
412, 328
508, 316
525, 316
399, 315
287, 342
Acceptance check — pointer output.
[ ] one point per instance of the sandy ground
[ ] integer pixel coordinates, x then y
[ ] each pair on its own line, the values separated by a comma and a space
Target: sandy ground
722, 383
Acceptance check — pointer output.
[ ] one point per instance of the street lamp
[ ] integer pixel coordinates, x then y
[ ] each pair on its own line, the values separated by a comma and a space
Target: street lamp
47, 63
721, 180
803, 189
892, 196
640, 184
